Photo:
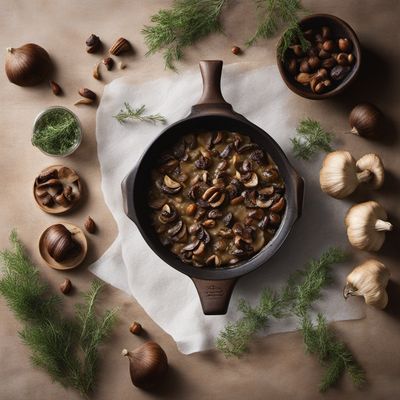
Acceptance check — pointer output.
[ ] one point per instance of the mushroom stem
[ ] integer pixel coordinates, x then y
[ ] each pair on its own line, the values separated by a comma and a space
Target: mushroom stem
364, 176
381, 225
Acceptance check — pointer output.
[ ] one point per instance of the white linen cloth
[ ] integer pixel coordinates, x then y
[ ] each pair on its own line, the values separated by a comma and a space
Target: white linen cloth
168, 296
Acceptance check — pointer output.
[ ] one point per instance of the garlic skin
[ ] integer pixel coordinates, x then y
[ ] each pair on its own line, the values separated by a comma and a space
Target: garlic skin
369, 280
341, 174
147, 364
27, 65
366, 225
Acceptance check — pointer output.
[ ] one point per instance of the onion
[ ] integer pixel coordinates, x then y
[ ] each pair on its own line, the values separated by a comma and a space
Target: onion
27, 65
365, 120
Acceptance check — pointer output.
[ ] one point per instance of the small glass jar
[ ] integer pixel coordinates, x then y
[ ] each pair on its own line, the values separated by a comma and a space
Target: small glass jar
79, 136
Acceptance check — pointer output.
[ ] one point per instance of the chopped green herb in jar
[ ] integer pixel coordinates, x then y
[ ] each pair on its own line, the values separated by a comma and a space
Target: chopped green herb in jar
56, 132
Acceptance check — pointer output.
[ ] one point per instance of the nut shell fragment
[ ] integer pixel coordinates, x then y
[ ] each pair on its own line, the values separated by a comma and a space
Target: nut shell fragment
120, 46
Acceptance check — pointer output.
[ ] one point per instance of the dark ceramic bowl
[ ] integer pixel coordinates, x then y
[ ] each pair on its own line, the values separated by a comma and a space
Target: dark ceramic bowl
339, 29
212, 112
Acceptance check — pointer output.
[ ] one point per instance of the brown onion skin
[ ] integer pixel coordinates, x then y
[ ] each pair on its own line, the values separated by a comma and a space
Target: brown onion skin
147, 364
28, 65
365, 119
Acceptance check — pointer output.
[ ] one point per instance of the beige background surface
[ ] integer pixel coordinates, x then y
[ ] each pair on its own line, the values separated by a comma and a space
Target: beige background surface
277, 367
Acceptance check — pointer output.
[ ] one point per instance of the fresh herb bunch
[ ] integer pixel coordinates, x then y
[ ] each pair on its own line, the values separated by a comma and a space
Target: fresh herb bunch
138, 114
56, 132
310, 139
67, 349
296, 298
272, 14
181, 26
292, 35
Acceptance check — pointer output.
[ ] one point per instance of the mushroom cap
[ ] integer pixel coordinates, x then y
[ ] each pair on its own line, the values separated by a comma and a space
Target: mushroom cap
338, 175
361, 222
373, 163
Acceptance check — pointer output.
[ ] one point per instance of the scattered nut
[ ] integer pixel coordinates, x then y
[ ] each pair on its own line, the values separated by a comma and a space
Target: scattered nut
121, 65
344, 45
84, 102
236, 50
342, 59
109, 63
93, 43
55, 87
90, 225
121, 45
66, 286
135, 328
96, 72
87, 93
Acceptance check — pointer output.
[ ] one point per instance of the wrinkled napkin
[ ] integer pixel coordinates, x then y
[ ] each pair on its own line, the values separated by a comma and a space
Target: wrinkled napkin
168, 296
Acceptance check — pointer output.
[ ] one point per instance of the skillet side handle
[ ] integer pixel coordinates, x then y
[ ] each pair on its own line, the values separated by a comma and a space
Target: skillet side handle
211, 71
127, 195
214, 295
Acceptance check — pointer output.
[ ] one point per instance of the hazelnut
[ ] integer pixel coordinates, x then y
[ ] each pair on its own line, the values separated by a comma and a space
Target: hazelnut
93, 43
314, 62
322, 86
90, 225
328, 46
87, 93
66, 286
236, 50
324, 54
109, 63
292, 66
326, 32
351, 58
342, 59
55, 88
312, 52
135, 328
304, 67
297, 50
328, 63
344, 45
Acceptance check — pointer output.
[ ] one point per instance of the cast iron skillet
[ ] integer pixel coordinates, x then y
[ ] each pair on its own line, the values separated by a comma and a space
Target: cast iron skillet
212, 112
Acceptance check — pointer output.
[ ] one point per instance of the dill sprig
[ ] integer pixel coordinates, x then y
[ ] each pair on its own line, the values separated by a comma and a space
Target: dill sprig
56, 132
137, 114
296, 298
182, 25
67, 349
290, 36
310, 139
272, 14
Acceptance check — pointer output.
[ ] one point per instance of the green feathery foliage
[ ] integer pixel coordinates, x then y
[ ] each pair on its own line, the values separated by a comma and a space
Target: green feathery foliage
290, 36
310, 139
181, 26
67, 349
272, 14
138, 114
296, 298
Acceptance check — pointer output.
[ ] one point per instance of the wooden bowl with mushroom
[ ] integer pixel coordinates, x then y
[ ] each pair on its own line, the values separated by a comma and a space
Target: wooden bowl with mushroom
330, 63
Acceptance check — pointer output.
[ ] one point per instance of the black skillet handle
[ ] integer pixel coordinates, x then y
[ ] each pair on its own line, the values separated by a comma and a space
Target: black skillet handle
214, 295
127, 194
211, 101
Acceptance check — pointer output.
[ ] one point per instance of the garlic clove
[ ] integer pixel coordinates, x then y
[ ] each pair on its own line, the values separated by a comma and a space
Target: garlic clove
369, 280
366, 225
148, 364
373, 164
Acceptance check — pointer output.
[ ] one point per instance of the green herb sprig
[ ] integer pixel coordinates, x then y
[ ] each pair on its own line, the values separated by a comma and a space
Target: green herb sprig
274, 13
138, 114
179, 27
56, 132
67, 349
290, 36
296, 298
311, 137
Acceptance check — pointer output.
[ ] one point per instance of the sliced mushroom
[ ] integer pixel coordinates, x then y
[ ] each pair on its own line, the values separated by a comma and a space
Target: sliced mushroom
168, 214
228, 220
214, 214
257, 156
175, 229
67, 175
226, 151
264, 203
252, 182
46, 175
200, 249
226, 233
191, 246
217, 137
202, 162
62, 200
181, 235
256, 214
203, 235
210, 192
247, 147
266, 192
171, 183
47, 200
218, 202
278, 206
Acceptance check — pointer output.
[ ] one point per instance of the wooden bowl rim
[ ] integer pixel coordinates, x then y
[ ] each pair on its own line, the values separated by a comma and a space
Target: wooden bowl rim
59, 209
298, 89
79, 236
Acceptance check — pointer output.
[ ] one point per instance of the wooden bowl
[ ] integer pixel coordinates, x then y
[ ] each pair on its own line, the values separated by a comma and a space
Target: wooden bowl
339, 29
57, 208
78, 235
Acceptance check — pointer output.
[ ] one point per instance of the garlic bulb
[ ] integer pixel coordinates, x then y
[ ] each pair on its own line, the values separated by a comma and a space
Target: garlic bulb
27, 65
341, 174
366, 226
369, 280
148, 364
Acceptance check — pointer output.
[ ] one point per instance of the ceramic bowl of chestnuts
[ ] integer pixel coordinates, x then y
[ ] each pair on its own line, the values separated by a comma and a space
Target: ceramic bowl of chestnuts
325, 62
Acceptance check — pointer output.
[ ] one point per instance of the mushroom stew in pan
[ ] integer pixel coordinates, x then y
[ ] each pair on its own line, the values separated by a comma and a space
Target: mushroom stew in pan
217, 198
